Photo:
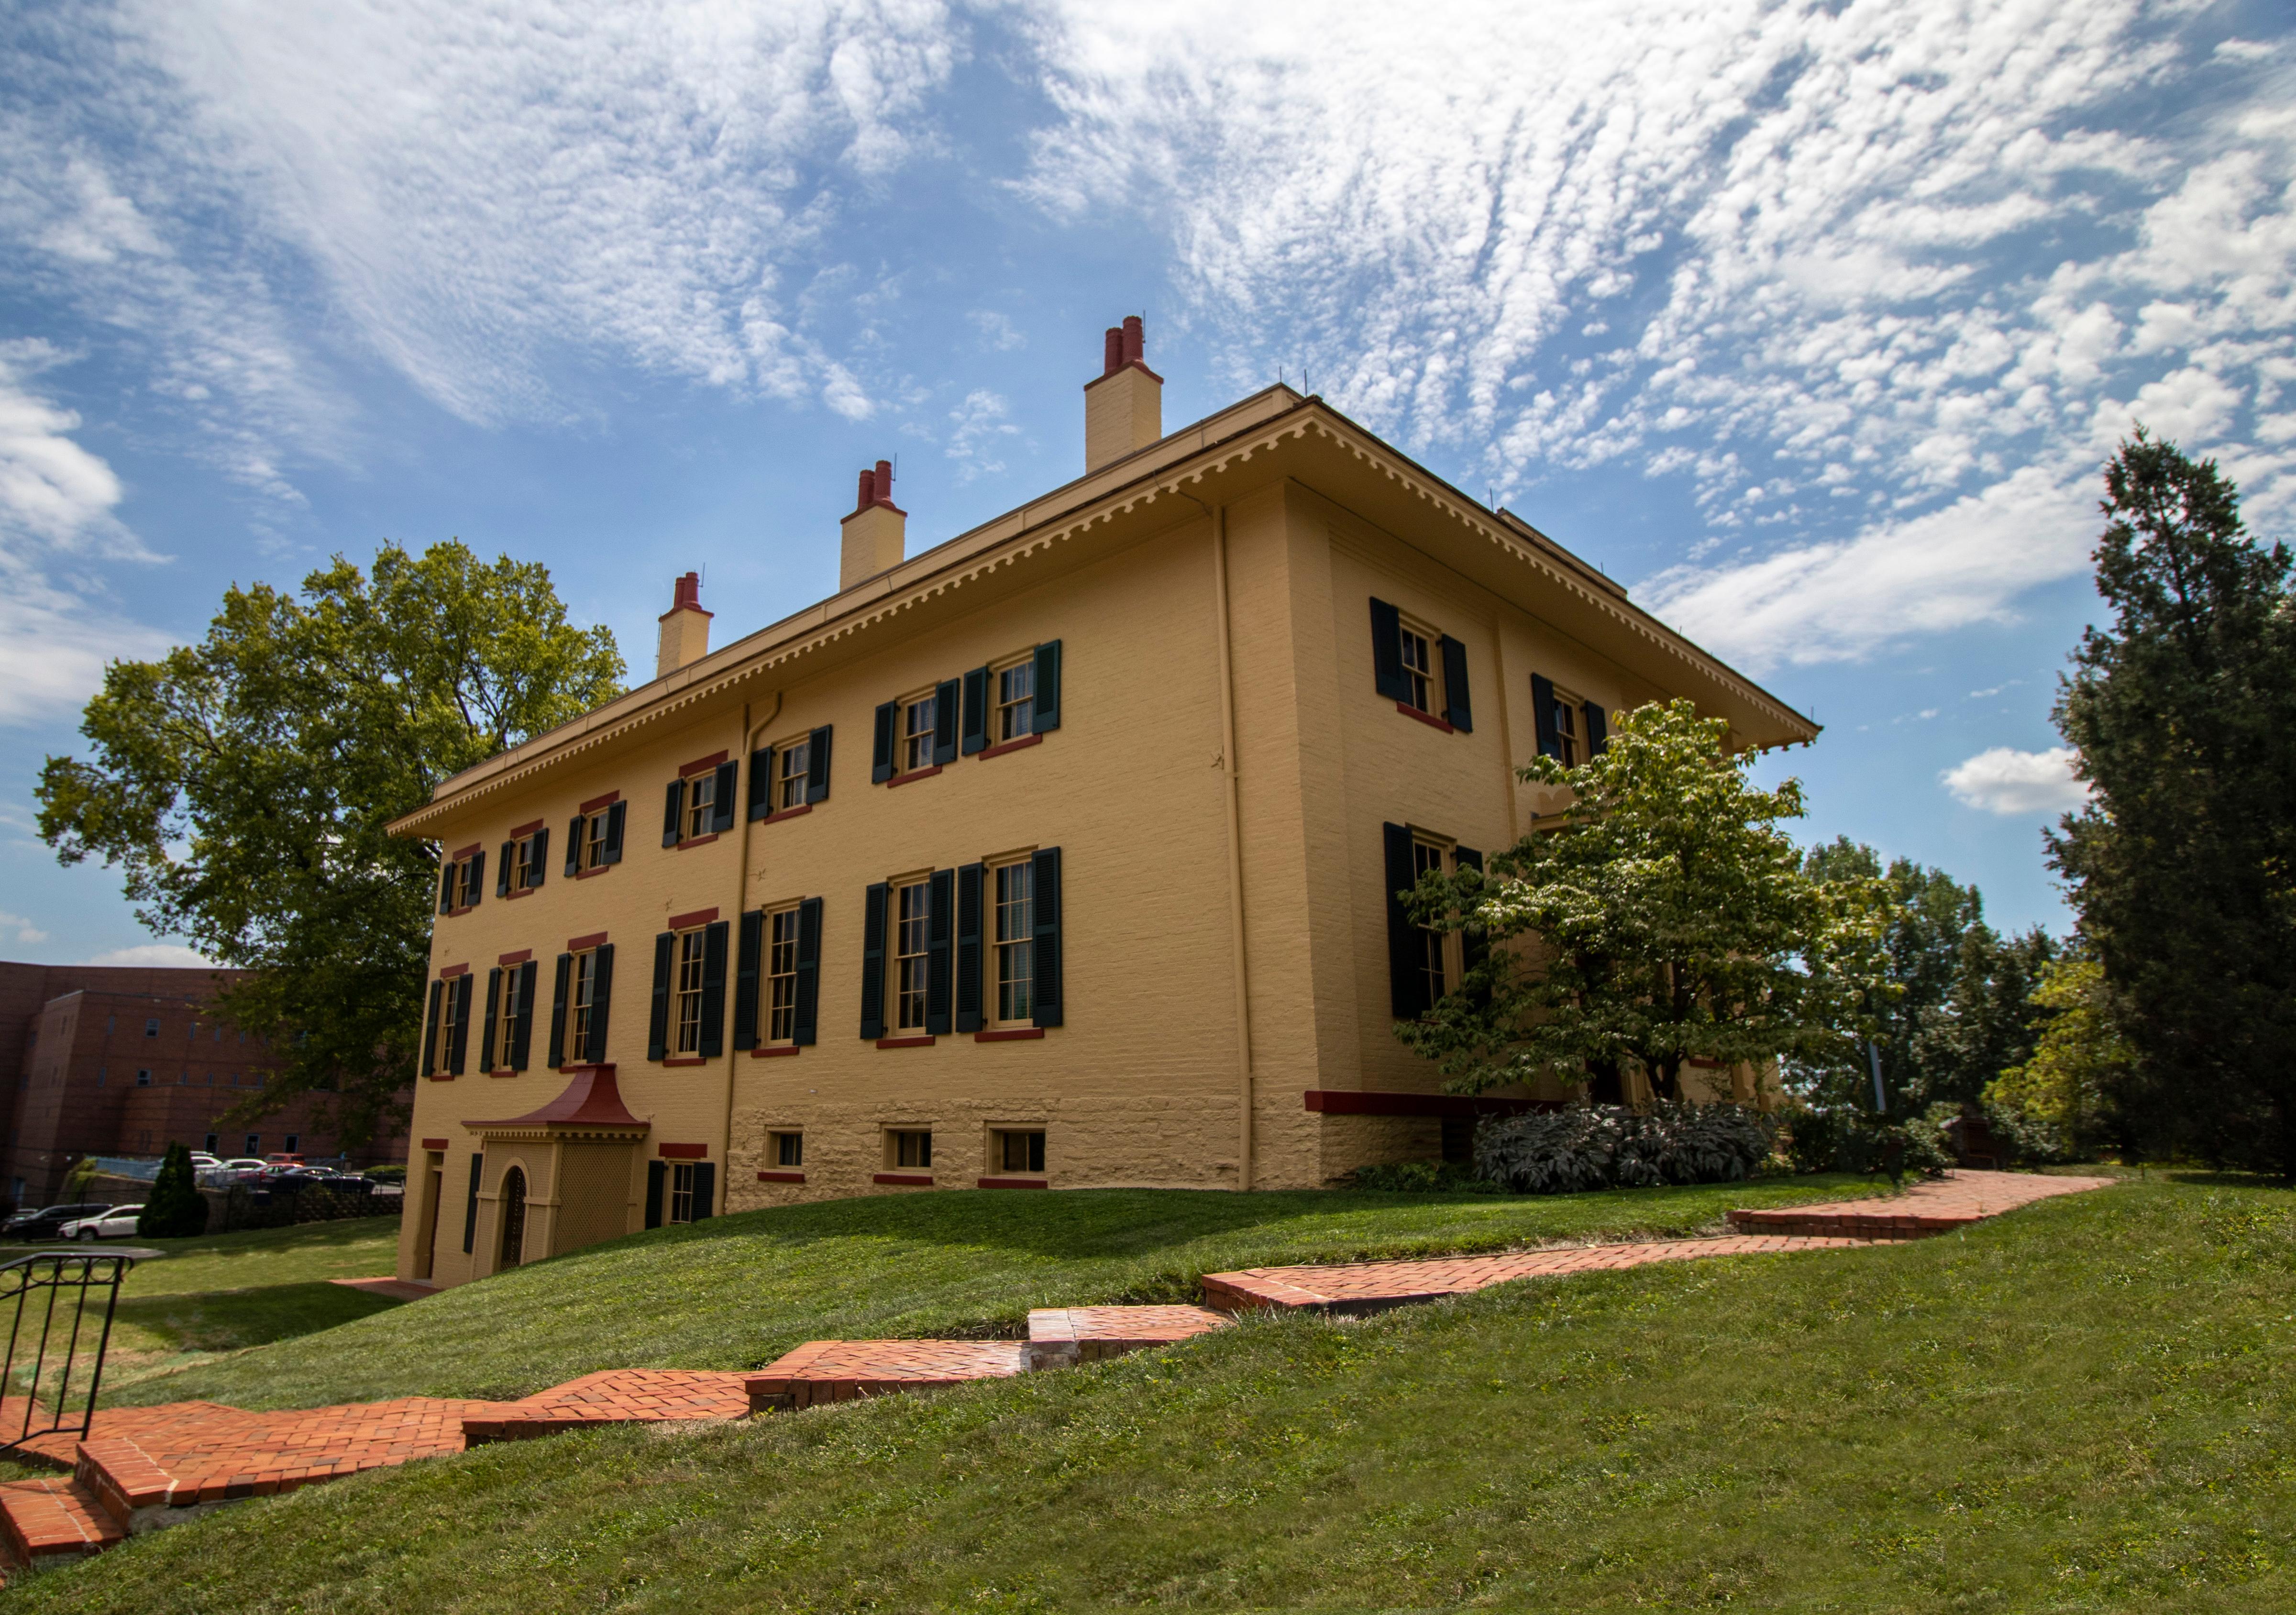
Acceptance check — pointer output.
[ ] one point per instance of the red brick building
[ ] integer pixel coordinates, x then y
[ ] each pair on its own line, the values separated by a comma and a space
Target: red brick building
125, 1062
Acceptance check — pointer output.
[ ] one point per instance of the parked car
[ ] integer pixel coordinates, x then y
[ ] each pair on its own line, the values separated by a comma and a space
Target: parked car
118, 1222
281, 1159
202, 1160
49, 1223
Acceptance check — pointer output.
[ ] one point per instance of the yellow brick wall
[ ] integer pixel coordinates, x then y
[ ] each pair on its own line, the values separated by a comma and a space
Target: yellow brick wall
1141, 1086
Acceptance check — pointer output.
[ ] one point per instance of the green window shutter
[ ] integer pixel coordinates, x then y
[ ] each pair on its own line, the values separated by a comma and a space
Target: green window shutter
613, 852
937, 947
1474, 945
1047, 705
486, 1034
1541, 716
540, 859
558, 1013
713, 989
808, 971
948, 696
523, 1045
471, 1206
502, 873
881, 764
1598, 730
430, 1030
1046, 946
1387, 676
969, 880
872, 962
574, 827
474, 883
761, 781
447, 889
656, 1174
745, 979
657, 1025
721, 806
1458, 713
976, 711
705, 1189
460, 1044
672, 809
1404, 985
601, 1002
816, 764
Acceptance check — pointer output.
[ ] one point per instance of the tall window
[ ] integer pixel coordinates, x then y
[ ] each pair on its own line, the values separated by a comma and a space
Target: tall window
1016, 927
781, 976
700, 804
1434, 945
681, 1192
583, 983
514, 1008
686, 1000
442, 1031
912, 938
526, 869
1016, 699
1566, 731
917, 721
1418, 667
794, 761
594, 841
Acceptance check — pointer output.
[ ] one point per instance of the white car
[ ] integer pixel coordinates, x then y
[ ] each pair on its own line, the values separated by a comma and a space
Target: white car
118, 1223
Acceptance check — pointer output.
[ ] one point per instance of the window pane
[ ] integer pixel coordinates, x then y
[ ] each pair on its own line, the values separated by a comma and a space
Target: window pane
910, 943
688, 989
1016, 700
796, 761
1015, 946
1416, 668
918, 736
780, 974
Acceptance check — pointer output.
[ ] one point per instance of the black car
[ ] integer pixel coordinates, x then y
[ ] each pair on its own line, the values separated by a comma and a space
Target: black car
48, 1222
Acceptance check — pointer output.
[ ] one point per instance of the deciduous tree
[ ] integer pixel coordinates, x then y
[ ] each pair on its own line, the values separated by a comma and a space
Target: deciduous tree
244, 785
1664, 917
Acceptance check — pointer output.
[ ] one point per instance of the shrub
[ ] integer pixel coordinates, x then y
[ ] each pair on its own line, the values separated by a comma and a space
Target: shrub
1599, 1146
1842, 1139
1420, 1177
175, 1210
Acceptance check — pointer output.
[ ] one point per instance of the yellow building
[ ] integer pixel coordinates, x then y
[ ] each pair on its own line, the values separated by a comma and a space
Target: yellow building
1057, 854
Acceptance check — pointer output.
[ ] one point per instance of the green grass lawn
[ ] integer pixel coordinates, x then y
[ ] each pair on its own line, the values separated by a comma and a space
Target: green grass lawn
221, 1293
737, 1291
2082, 1406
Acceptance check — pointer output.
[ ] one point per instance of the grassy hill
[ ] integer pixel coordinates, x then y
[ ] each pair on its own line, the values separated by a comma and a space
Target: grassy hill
737, 1291
2084, 1405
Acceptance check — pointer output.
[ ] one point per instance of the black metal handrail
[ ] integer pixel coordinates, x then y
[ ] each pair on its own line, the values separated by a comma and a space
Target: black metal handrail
83, 1275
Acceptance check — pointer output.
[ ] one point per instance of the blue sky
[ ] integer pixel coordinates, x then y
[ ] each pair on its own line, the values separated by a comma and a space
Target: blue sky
1811, 322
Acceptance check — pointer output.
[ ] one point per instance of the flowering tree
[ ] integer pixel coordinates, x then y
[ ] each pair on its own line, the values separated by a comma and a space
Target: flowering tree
1665, 918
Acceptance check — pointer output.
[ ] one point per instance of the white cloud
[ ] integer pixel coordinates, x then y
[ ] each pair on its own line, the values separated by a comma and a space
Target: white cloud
26, 931
56, 506
1899, 266
478, 190
979, 432
172, 955
2013, 783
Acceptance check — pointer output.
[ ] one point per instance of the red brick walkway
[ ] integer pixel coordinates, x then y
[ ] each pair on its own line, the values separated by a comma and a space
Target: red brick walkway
138, 1463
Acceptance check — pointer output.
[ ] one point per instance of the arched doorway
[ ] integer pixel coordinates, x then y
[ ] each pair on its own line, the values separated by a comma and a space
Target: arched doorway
514, 1216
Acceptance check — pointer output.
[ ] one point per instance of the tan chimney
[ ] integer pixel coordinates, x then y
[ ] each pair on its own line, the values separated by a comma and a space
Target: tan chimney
876, 533
685, 629
1124, 409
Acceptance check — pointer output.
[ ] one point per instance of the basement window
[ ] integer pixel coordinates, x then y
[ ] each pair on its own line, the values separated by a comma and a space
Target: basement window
788, 1149
909, 1148
1019, 1150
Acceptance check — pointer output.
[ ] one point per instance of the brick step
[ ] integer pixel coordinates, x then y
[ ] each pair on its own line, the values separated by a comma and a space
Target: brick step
48, 1520
617, 1396
1059, 1336
822, 1372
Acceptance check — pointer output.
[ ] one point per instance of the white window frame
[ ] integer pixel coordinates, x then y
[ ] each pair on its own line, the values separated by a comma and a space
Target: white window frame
689, 956
914, 744
1002, 1007
1423, 678
911, 967
792, 767
700, 804
1440, 962
1012, 716
779, 998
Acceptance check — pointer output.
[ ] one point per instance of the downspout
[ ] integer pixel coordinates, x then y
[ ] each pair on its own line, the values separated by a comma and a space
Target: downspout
1235, 856
749, 732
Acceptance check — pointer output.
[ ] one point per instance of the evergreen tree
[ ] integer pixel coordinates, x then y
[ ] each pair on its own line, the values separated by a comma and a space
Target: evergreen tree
175, 1210
2184, 862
